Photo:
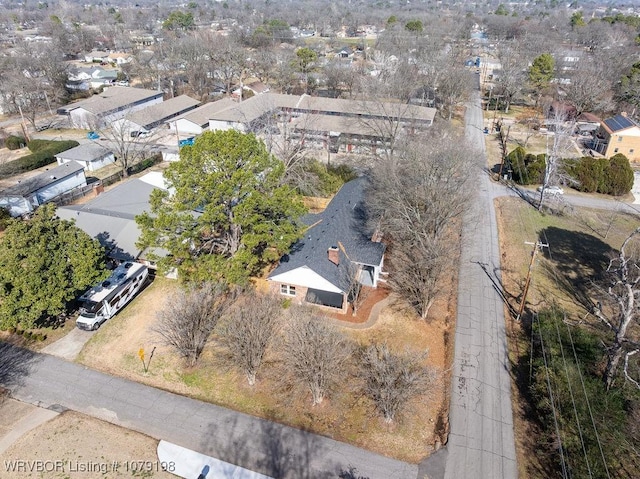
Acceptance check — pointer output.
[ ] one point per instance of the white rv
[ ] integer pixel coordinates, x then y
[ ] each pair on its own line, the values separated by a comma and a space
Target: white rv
105, 299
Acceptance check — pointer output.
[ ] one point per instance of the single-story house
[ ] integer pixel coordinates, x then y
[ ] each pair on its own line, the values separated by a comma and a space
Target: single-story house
336, 245
96, 56
91, 156
119, 58
255, 88
145, 119
110, 217
90, 77
27, 195
197, 120
112, 104
618, 134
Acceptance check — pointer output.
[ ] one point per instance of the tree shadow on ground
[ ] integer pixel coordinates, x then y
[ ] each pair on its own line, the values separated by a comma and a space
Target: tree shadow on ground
16, 363
278, 451
578, 261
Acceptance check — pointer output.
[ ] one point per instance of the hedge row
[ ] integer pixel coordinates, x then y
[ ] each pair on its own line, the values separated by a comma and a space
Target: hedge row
44, 152
612, 176
599, 175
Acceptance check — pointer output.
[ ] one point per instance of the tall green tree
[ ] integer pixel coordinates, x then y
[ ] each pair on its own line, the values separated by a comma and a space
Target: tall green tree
541, 71
577, 20
305, 63
414, 26
45, 263
228, 213
178, 20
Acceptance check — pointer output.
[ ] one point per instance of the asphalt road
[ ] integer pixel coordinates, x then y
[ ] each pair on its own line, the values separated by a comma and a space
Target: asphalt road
262, 446
481, 440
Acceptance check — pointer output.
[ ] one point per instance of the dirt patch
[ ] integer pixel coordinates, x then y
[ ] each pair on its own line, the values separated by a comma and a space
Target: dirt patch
345, 416
74, 446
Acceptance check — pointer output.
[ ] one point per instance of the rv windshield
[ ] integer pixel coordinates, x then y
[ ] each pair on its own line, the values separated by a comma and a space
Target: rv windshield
89, 308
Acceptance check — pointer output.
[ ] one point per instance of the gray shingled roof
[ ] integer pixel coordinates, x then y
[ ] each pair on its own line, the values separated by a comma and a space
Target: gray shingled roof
85, 152
153, 115
200, 116
259, 105
619, 122
342, 223
36, 183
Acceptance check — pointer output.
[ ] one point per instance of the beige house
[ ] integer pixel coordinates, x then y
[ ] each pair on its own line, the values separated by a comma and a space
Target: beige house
618, 134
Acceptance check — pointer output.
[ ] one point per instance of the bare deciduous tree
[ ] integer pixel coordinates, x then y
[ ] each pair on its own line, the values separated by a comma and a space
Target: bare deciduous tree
248, 330
314, 353
418, 194
622, 308
357, 294
189, 317
559, 149
391, 380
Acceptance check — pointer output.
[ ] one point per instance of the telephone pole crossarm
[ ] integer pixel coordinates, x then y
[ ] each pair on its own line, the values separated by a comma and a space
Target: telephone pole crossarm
536, 246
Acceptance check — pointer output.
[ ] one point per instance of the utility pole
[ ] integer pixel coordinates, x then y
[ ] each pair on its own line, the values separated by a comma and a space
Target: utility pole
536, 246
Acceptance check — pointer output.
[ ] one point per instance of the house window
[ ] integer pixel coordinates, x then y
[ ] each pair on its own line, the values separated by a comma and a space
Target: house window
619, 139
631, 150
615, 150
287, 290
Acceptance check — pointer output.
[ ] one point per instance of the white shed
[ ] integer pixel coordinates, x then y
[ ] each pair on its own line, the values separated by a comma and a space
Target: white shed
91, 156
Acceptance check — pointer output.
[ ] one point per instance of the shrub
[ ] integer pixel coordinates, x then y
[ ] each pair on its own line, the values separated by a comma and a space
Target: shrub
5, 217
526, 168
619, 178
15, 142
609, 177
144, 164
39, 158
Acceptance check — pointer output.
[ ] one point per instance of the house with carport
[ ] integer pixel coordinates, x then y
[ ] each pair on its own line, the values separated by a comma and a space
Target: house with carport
337, 247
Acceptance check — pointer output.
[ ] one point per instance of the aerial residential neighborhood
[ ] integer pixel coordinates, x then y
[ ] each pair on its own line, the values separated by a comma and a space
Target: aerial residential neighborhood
350, 240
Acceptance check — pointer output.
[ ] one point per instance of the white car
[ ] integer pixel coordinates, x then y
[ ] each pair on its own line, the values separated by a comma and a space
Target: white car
551, 190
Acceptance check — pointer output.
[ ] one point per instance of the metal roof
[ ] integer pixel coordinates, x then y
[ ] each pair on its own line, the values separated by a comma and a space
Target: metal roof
43, 180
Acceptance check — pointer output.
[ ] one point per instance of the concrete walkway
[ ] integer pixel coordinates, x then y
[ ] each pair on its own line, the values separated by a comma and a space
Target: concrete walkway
255, 444
17, 419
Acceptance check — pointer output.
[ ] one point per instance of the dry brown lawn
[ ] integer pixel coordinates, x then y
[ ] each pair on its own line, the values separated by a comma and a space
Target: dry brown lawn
74, 446
345, 416
578, 244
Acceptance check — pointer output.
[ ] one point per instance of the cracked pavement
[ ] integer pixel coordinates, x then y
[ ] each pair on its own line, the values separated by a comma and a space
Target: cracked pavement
481, 440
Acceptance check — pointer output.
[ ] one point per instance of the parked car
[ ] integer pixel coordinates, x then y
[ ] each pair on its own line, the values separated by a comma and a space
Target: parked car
141, 134
92, 135
186, 142
551, 190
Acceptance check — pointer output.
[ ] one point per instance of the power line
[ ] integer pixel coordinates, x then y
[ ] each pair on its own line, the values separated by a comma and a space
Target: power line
552, 401
573, 400
586, 397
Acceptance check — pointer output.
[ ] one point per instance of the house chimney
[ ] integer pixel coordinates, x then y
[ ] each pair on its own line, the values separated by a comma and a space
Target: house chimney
333, 255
